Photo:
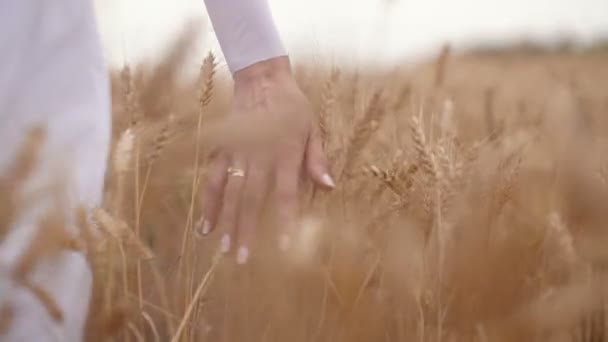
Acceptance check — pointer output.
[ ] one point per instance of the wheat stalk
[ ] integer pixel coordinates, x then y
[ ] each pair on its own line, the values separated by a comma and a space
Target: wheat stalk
328, 100
197, 295
507, 182
47, 301
386, 177
50, 238
424, 151
130, 96
206, 76
364, 129
12, 181
121, 232
122, 160
150, 322
161, 140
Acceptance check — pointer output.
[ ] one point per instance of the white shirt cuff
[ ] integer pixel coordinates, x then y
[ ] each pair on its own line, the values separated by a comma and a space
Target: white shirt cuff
246, 31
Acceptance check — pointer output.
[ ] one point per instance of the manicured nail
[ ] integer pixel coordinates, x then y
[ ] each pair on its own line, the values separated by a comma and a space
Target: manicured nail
202, 227
225, 243
197, 229
206, 227
328, 181
242, 255
284, 242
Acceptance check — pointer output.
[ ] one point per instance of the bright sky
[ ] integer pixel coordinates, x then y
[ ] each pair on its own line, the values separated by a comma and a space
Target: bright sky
359, 30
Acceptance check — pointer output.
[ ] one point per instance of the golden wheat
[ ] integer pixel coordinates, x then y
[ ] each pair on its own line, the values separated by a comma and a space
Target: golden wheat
446, 250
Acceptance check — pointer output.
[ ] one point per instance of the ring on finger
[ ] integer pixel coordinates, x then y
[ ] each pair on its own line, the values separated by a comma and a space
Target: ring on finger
236, 172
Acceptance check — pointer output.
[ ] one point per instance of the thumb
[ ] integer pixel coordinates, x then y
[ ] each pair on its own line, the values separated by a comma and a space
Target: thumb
316, 162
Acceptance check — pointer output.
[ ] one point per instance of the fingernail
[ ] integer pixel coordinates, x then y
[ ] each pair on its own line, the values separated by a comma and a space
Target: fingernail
202, 227
284, 242
242, 255
197, 228
328, 181
206, 227
225, 243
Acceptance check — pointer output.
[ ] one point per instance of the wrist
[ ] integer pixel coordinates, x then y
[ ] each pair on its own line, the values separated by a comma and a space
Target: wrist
265, 72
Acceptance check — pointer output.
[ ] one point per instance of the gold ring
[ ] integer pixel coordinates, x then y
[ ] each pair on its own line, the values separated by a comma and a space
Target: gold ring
233, 171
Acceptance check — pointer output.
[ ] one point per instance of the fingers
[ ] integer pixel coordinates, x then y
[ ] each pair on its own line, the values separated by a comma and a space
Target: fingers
234, 200
212, 195
230, 203
250, 206
232, 197
286, 199
316, 163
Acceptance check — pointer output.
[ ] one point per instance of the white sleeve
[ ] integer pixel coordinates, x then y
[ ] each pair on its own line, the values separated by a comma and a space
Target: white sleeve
245, 30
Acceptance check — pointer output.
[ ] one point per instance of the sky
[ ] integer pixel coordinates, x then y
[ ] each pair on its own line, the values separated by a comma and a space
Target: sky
358, 31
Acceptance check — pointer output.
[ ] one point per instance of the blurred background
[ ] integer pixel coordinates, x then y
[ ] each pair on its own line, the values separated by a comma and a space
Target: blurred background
362, 31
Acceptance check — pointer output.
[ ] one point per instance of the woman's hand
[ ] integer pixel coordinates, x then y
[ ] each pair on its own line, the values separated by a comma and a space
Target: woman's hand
270, 108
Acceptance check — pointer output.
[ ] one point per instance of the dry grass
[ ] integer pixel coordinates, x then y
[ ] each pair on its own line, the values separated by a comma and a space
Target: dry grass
470, 207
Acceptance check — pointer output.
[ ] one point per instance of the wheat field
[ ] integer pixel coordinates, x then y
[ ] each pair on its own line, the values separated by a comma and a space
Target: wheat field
470, 206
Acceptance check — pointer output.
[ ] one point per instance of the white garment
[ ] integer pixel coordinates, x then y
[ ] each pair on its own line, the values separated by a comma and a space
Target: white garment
245, 31
52, 74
